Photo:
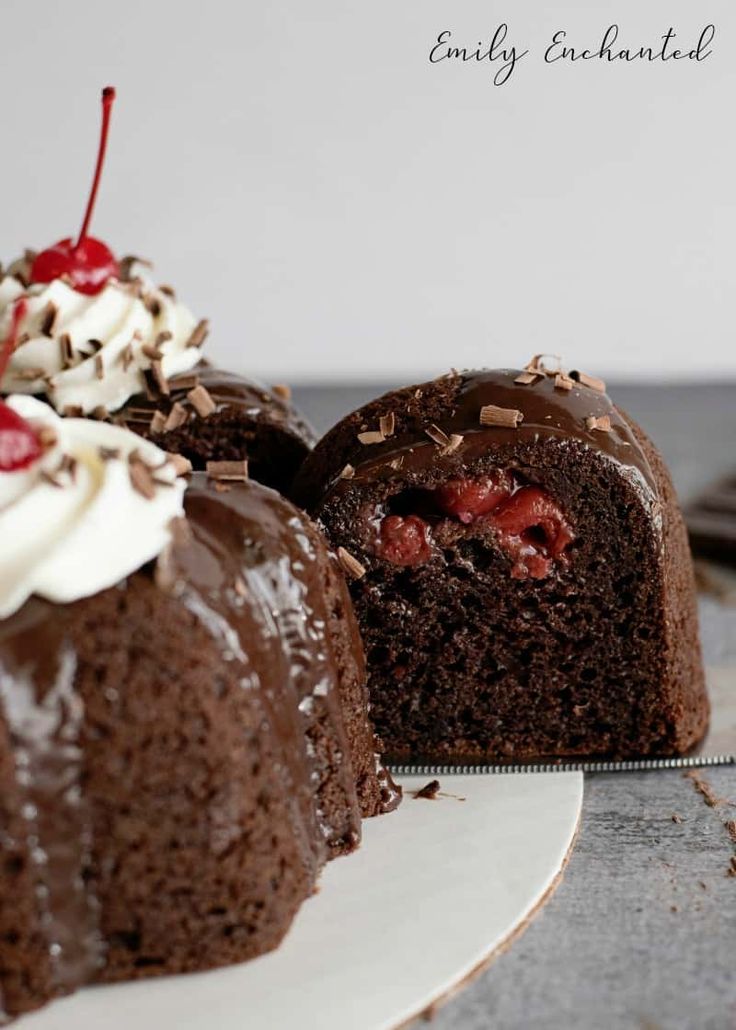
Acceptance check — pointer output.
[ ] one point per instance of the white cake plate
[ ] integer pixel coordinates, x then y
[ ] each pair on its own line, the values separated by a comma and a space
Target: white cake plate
435, 891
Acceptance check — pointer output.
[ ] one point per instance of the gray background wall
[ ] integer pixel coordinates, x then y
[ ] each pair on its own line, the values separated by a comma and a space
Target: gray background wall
341, 207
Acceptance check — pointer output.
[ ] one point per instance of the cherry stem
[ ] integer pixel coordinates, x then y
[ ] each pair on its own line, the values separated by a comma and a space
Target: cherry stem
9, 344
108, 96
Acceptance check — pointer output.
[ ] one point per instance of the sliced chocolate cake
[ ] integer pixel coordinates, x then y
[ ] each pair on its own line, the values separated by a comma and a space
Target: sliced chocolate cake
520, 570
184, 735
211, 415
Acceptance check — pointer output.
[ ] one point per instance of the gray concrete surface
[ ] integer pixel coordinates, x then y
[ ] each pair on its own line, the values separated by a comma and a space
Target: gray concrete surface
641, 934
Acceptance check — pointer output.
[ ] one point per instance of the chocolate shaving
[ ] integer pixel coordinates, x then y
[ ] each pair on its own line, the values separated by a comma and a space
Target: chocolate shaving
93, 346
141, 476
527, 378
100, 413
183, 383
52, 478
387, 424
601, 423
73, 411
46, 437
591, 382
182, 466
429, 791
168, 291
350, 565
438, 436
67, 350
509, 418
160, 379
282, 391
99, 367
397, 463
348, 472
127, 357
152, 352
230, 471
452, 445
563, 382
109, 453
48, 318
126, 266
371, 436
221, 488
158, 422
152, 304
163, 337
199, 334
68, 465
201, 400
176, 417
23, 338
538, 366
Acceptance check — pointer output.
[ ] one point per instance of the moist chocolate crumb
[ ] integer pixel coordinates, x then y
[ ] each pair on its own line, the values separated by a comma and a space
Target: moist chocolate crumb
235, 471
509, 418
350, 564
429, 791
201, 400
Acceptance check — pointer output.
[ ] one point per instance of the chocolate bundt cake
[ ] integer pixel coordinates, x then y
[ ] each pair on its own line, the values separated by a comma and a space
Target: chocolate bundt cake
184, 736
521, 571
132, 353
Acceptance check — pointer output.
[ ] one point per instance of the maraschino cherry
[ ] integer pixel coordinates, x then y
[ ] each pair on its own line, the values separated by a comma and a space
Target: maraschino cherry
19, 445
89, 263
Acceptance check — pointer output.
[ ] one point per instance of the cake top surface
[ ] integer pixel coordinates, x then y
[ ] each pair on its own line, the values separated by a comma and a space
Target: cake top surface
96, 505
92, 352
456, 417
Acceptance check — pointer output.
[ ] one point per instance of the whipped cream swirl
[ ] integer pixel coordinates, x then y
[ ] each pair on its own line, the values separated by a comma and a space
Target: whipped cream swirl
96, 506
88, 353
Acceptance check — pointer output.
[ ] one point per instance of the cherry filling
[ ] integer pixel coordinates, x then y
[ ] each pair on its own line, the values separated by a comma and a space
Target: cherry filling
529, 525
404, 540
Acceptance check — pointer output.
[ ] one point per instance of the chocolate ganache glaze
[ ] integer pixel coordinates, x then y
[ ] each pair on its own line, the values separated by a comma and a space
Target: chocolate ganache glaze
195, 791
547, 411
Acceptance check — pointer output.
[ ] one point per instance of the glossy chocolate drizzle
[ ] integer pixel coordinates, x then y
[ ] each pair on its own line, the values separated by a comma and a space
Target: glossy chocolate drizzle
548, 413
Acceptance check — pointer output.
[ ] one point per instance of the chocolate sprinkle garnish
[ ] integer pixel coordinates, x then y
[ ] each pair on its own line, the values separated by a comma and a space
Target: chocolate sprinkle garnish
152, 351
350, 565
181, 465
602, 423
99, 367
160, 379
591, 382
199, 334
509, 418
371, 436
387, 424
348, 472
527, 378
46, 437
48, 318
176, 417
158, 422
67, 351
201, 400
438, 435
141, 476
283, 391
231, 471
454, 442
563, 382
